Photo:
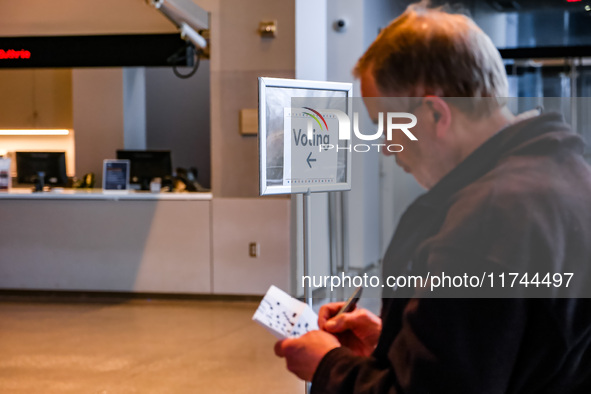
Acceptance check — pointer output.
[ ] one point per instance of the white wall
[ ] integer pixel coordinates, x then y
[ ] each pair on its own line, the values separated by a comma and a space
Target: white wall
397, 189
365, 202
311, 40
363, 224
366, 226
310, 43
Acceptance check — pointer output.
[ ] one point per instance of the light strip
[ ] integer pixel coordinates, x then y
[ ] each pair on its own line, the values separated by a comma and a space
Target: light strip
35, 132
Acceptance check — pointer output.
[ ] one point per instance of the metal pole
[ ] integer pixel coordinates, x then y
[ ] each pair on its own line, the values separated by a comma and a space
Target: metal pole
307, 244
307, 255
573, 94
333, 231
345, 232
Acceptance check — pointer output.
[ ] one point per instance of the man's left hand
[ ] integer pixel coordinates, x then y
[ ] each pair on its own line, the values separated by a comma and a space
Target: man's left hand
303, 354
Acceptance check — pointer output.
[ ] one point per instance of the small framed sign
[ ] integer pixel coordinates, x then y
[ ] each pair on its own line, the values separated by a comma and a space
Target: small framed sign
5, 179
115, 175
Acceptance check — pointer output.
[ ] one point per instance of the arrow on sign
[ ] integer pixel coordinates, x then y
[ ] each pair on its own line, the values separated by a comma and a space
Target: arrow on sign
308, 160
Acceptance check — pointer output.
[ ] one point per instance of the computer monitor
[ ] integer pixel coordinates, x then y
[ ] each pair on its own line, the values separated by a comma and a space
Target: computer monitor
52, 164
146, 165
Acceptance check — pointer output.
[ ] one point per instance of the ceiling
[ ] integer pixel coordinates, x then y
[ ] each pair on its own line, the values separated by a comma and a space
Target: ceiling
80, 17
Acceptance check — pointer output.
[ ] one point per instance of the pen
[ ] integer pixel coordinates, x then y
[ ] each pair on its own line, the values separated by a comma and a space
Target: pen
351, 302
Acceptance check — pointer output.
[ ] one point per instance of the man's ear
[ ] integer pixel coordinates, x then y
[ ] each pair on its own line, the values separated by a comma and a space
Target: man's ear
441, 114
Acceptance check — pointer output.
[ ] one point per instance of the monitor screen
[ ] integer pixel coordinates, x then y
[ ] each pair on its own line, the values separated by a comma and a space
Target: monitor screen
52, 164
146, 165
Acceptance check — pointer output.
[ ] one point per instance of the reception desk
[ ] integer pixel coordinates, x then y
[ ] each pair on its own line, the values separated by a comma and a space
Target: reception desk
99, 194
142, 242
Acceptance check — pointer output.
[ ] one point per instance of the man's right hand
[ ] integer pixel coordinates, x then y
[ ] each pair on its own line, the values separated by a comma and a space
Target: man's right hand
358, 330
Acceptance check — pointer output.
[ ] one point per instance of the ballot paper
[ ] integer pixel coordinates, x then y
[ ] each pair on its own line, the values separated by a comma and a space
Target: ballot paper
284, 316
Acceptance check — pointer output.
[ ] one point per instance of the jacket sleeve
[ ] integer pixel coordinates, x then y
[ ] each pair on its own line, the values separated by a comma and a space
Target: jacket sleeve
445, 346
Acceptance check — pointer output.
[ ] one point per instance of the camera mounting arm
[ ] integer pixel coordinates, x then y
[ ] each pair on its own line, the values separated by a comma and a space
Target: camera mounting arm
187, 16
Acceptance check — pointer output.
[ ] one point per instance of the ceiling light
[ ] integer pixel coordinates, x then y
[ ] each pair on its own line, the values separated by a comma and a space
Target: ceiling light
35, 132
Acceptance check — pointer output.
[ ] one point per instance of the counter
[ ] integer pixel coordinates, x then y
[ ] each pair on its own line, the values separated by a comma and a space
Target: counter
191, 243
99, 194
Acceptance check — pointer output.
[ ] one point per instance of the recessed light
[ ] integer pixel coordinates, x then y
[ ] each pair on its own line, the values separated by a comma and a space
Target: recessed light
35, 132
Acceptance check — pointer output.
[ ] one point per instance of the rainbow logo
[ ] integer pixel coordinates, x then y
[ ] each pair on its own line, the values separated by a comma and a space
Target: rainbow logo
315, 118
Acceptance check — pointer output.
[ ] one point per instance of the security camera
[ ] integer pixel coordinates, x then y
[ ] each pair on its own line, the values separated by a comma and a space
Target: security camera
340, 25
187, 16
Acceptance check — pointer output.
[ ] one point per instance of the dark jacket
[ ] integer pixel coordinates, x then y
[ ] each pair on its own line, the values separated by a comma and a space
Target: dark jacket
520, 202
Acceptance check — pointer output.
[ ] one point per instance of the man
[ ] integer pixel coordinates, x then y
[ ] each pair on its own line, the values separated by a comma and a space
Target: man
505, 193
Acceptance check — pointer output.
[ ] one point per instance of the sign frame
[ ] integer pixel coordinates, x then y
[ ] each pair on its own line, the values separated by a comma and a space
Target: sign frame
126, 165
264, 84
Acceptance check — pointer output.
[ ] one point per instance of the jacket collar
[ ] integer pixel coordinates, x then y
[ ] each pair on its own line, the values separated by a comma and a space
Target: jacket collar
543, 134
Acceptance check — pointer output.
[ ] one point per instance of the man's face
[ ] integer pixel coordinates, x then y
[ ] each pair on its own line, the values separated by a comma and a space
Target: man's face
414, 158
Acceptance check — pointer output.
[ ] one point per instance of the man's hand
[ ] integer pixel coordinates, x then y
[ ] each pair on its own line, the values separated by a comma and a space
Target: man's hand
358, 330
303, 354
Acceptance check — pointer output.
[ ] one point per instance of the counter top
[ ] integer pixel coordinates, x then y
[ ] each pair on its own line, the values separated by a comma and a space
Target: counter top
99, 194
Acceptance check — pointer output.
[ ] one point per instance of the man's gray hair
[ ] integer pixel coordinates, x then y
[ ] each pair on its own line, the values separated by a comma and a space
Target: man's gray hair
430, 51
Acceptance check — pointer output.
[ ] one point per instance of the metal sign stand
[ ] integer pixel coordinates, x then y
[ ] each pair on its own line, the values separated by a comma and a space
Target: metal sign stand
307, 244
275, 103
307, 208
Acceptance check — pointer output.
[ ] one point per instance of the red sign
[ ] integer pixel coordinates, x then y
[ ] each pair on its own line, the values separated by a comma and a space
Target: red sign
14, 54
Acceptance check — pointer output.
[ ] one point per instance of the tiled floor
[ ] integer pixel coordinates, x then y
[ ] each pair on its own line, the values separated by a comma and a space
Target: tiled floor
138, 347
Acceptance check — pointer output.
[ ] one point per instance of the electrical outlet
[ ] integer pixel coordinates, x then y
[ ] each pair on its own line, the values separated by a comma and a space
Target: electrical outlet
254, 249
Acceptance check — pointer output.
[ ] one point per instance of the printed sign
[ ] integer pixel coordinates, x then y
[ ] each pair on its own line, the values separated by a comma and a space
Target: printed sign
300, 147
115, 175
308, 161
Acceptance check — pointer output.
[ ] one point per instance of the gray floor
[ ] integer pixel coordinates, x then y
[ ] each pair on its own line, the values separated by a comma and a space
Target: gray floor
138, 347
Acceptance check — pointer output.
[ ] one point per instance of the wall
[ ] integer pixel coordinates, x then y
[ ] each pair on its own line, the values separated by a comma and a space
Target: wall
134, 108
397, 189
311, 64
239, 56
344, 48
178, 117
369, 205
362, 215
238, 222
97, 97
36, 98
